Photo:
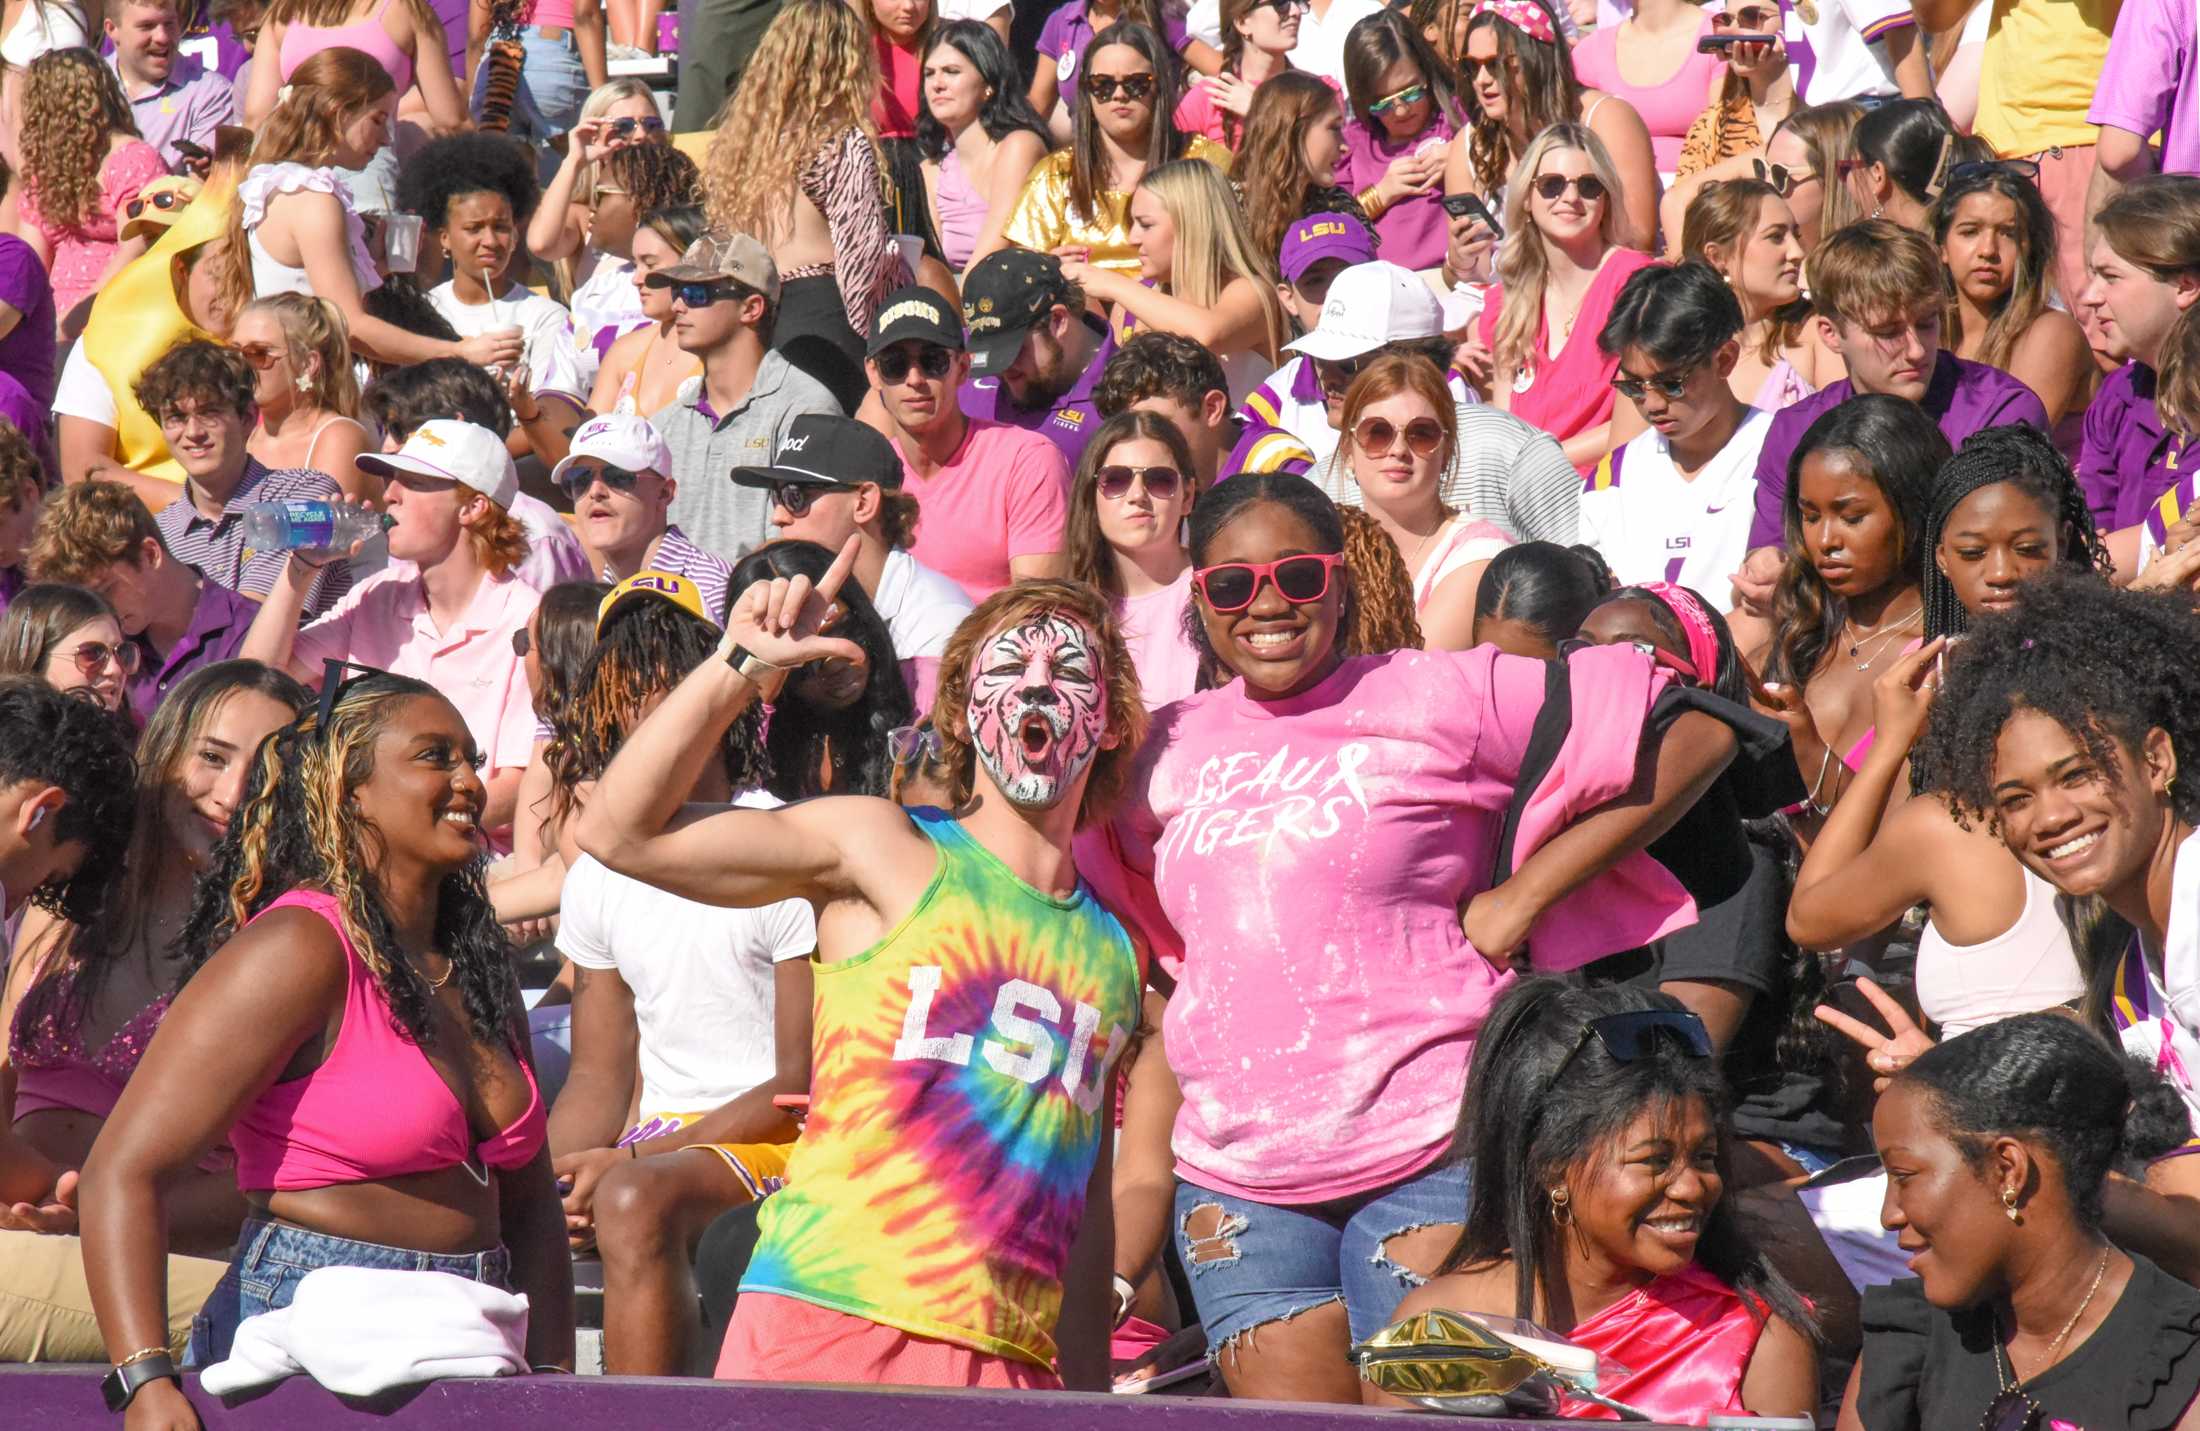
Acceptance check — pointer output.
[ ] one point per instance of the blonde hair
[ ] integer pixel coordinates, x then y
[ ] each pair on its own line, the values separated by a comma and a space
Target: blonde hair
1826, 131
810, 82
316, 326
599, 102
1212, 245
1871, 271
1523, 264
71, 104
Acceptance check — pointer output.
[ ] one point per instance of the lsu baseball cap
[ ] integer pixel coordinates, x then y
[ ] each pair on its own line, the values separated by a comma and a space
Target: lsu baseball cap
1008, 293
663, 585
456, 452
618, 439
915, 313
1371, 304
716, 256
820, 450
1320, 236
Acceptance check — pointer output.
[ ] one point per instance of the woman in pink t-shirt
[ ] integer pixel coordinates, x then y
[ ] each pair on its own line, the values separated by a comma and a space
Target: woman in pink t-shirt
1559, 269
1127, 503
1302, 843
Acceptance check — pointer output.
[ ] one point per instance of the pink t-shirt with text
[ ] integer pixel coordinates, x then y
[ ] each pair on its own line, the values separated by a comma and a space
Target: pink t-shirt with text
1312, 854
1005, 494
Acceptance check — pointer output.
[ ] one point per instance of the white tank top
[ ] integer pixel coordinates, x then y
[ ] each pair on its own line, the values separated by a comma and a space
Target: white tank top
2027, 967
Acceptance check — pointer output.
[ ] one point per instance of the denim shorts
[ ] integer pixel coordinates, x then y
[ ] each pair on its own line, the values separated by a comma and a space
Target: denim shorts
273, 1257
552, 86
1269, 1262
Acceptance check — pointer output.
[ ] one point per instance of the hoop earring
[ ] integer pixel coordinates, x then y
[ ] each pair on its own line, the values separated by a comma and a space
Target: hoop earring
2009, 1206
1562, 1207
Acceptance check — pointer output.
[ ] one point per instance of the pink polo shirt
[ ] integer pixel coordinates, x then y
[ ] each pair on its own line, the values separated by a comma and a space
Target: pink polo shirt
1004, 494
385, 623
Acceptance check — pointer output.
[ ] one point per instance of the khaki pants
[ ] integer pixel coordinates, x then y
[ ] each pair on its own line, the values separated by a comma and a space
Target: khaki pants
46, 1306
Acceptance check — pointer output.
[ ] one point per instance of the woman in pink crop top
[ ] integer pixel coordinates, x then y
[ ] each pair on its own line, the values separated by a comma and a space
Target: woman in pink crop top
84, 999
350, 1020
403, 36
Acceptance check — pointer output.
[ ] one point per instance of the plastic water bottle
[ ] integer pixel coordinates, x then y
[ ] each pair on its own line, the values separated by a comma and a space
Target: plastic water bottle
300, 524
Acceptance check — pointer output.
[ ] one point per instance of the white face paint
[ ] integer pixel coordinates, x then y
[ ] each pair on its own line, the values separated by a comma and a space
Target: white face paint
1038, 709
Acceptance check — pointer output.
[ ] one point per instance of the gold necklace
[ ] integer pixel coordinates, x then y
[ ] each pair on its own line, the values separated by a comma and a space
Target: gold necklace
2001, 1353
450, 967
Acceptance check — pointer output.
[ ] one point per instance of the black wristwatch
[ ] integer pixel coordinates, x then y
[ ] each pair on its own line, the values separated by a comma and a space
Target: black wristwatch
120, 1386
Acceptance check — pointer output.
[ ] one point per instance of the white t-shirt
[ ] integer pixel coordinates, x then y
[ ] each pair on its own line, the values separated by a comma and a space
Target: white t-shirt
701, 975
972, 9
552, 364
1835, 57
605, 299
43, 28
82, 392
1320, 50
1649, 523
920, 607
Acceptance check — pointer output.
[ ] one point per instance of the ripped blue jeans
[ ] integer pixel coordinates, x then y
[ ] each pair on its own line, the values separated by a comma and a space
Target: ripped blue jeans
1254, 1262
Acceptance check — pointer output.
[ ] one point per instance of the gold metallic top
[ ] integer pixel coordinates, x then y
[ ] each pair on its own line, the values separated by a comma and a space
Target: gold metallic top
1043, 219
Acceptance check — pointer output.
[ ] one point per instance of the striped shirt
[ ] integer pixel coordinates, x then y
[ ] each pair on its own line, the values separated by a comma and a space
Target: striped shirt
216, 545
681, 557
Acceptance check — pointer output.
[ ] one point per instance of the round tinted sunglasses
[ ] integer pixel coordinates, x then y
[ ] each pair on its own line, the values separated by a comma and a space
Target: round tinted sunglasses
1411, 94
260, 355
1750, 19
91, 657
1378, 436
1781, 179
579, 478
1160, 482
1549, 186
1671, 386
1232, 585
931, 360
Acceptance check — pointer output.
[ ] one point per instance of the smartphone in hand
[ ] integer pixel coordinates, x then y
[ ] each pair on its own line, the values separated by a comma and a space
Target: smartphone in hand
1470, 206
1712, 44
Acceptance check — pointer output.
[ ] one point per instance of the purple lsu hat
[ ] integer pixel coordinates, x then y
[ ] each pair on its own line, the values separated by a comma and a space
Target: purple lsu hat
1320, 236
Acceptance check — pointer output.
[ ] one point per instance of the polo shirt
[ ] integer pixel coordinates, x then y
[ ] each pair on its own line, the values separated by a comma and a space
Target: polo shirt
190, 105
681, 557
554, 554
216, 545
1003, 495
1068, 424
718, 516
386, 624
218, 626
1962, 397
2125, 458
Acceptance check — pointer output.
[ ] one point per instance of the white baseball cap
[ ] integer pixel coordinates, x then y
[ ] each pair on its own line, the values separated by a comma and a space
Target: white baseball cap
619, 439
457, 452
1371, 304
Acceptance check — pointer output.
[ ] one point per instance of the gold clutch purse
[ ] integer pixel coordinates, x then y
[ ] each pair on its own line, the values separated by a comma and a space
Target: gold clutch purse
1483, 1366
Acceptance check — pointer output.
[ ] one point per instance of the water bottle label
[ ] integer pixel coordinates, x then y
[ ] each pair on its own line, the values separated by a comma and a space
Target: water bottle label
312, 524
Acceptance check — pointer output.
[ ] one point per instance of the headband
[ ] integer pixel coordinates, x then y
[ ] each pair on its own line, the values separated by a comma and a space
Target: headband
1703, 641
1521, 15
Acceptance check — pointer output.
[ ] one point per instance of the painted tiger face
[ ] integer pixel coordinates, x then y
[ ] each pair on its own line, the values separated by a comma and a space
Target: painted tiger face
1038, 708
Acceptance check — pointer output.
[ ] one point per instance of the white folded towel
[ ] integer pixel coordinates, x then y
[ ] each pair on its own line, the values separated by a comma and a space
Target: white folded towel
359, 1330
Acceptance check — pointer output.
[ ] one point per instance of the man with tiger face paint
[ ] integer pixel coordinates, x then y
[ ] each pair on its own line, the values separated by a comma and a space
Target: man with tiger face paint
972, 992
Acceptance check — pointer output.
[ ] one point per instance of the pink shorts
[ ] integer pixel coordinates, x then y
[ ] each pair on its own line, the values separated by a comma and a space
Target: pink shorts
774, 1338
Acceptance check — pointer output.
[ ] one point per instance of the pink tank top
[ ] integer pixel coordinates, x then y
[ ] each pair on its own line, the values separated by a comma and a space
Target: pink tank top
962, 212
368, 36
1667, 109
53, 1068
374, 1109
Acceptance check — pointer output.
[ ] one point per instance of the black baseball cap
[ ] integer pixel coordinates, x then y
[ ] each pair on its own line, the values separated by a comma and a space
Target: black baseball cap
820, 450
1009, 293
915, 313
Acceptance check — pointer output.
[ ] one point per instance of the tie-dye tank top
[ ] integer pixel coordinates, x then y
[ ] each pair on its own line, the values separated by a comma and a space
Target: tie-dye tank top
956, 1104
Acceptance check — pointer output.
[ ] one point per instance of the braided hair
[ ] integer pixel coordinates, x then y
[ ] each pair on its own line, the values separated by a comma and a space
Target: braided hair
2021, 455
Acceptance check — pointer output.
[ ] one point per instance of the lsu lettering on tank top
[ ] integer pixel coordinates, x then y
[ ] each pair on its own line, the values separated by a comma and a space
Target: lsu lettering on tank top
957, 1093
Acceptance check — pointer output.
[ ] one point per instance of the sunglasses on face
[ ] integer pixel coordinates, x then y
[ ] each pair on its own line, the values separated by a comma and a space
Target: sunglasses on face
1378, 436
91, 657
1671, 386
1285, 9
580, 477
1411, 94
164, 201
1161, 483
931, 360
629, 126
1472, 68
1779, 177
1232, 585
1549, 186
2025, 169
260, 355
906, 744
1135, 88
1750, 18
799, 497
702, 295
1658, 655
1633, 1036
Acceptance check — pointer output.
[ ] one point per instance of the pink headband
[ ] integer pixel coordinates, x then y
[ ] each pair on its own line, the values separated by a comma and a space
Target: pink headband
1521, 14
1703, 642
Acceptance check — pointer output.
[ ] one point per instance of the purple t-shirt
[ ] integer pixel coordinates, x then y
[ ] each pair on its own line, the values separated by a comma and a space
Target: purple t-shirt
2151, 80
1413, 231
2125, 460
28, 416
1963, 397
1068, 424
27, 352
1063, 38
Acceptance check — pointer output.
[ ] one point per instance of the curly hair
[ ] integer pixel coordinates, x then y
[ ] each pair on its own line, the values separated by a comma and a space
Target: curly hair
300, 828
643, 649
403, 398
72, 745
2022, 456
87, 527
475, 162
1539, 87
315, 327
1154, 364
1385, 616
656, 176
2032, 289
810, 82
804, 740
71, 104
1086, 556
1893, 443
198, 369
1269, 171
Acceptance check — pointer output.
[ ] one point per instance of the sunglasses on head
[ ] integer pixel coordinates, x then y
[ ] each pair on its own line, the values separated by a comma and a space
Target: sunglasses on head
1134, 88
2026, 169
1633, 1036
799, 497
165, 200
931, 359
1658, 655
260, 355
333, 686
1232, 585
1750, 18
906, 744
1378, 436
1549, 186
1160, 482
1411, 94
622, 128
1671, 386
580, 477
91, 657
